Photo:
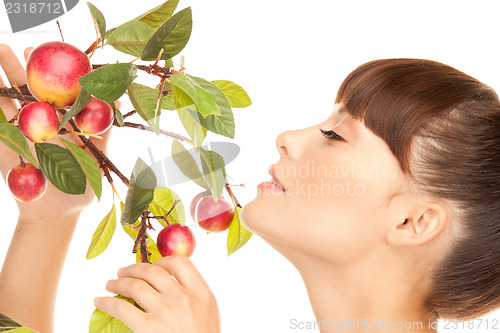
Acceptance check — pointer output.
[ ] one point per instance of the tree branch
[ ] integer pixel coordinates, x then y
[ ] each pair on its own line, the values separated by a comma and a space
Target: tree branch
151, 69
99, 155
14, 93
149, 129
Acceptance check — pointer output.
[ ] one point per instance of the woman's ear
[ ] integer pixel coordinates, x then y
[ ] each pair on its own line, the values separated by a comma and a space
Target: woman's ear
419, 226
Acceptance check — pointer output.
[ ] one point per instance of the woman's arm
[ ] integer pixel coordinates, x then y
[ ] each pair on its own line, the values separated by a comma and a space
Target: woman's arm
34, 261
32, 268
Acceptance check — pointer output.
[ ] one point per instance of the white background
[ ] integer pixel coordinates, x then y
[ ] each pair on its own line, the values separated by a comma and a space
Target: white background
291, 57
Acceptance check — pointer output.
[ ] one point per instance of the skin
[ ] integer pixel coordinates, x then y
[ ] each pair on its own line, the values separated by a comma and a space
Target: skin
358, 257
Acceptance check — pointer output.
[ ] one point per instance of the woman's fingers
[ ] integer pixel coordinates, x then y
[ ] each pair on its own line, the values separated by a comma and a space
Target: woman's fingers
8, 105
27, 52
154, 275
182, 270
121, 309
139, 290
11, 66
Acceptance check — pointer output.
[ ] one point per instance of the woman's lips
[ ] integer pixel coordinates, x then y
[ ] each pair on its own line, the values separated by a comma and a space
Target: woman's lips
270, 188
274, 179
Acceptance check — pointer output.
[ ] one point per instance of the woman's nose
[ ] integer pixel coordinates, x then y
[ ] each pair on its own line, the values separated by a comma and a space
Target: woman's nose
291, 144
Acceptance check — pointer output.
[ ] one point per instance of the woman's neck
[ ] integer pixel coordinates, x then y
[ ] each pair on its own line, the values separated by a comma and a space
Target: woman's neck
364, 297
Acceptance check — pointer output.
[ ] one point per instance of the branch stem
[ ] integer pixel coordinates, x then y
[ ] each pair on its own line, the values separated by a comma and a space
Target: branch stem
149, 129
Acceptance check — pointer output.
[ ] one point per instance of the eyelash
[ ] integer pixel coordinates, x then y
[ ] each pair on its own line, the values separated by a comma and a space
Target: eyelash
331, 135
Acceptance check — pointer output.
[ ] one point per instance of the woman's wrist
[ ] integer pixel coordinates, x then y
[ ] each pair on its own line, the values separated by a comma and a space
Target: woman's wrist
49, 220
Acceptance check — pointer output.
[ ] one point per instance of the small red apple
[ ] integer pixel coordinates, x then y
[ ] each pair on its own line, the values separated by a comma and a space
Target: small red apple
214, 216
194, 202
53, 70
95, 118
38, 121
176, 239
26, 183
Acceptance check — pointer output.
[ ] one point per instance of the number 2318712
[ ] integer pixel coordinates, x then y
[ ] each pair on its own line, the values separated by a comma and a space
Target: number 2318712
33, 8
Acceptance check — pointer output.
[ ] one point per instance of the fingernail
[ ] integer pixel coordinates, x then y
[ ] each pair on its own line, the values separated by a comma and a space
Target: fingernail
109, 283
97, 300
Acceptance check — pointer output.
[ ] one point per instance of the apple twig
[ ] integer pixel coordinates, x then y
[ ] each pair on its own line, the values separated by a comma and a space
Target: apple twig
231, 194
98, 154
128, 114
163, 72
92, 46
21, 93
141, 239
164, 217
149, 129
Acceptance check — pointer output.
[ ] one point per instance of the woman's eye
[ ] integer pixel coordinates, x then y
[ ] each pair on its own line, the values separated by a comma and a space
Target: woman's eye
331, 135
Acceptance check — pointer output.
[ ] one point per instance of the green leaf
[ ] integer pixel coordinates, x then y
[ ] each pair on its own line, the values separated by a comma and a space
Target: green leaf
61, 168
99, 20
187, 164
140, 192
88, 165
199, 91
82, 100
172, 36
163, 201
152, 248
118, 114
181, 99
214, 171
237, 235
131, 37
236, 95
103, 234
158, 15
7, 324
2, 116
222, 124
167, 102
196, 132
101, 322
144, 99
13, 138
109, 82
20, 330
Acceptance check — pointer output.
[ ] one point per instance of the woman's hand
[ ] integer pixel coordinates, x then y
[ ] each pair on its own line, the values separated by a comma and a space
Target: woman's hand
32, 267
172, 292
49, 205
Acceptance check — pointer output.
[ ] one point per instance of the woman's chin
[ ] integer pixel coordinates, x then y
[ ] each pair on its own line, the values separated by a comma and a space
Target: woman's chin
247, 216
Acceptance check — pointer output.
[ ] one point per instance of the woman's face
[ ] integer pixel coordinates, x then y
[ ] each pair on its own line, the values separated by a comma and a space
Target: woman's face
336, 200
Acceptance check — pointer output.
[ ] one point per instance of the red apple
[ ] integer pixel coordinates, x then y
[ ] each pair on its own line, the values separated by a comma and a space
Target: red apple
26, 183
52, 72
95, 118
38, 121
194, 202
176, 239
214, 216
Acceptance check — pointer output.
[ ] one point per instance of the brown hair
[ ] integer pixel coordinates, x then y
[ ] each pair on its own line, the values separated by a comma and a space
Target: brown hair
443, 126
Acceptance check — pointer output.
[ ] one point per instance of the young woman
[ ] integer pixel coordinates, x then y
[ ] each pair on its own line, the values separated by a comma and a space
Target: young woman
388, 209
